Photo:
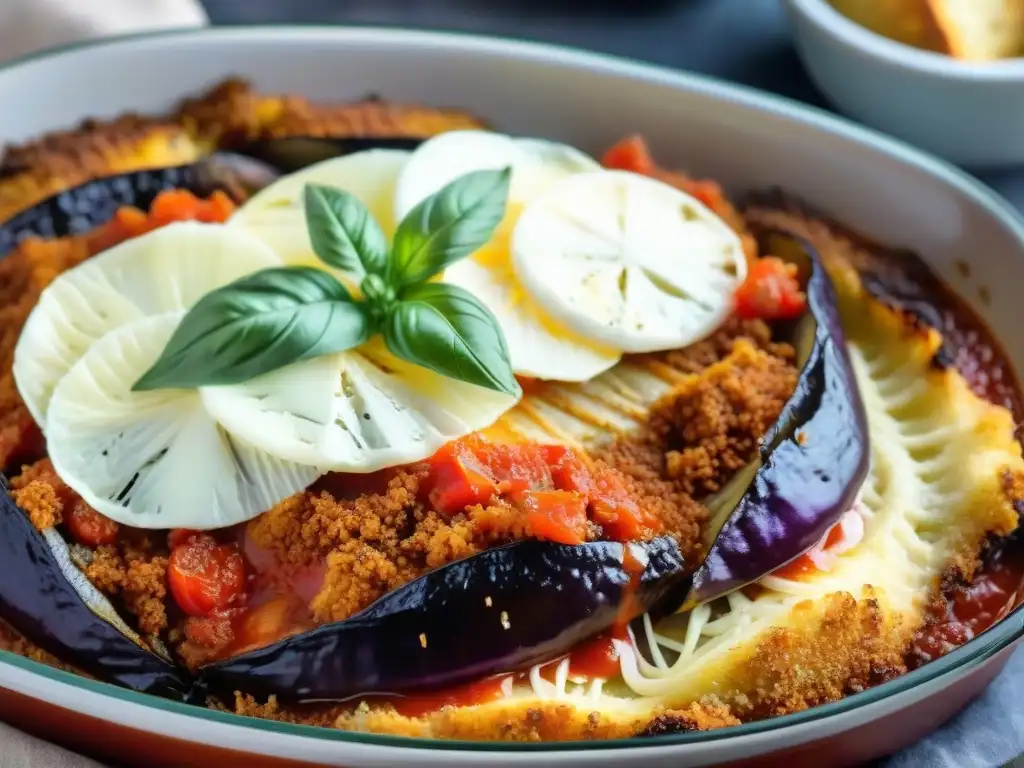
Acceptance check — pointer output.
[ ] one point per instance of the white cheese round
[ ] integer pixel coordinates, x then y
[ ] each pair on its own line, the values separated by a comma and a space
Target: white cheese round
168, 269
156, 459
628, 261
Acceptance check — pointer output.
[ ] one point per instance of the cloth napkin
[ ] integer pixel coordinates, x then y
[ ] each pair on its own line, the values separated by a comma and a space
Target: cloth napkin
989, 733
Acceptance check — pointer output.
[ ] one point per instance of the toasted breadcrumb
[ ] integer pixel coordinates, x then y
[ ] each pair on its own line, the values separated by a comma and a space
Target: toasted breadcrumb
42, 494
24, 274
134, 569
141, 583
40, 501
716, 421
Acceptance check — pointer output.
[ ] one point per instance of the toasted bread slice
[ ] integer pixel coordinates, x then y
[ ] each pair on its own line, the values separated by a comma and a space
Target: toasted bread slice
979, 30
910, 22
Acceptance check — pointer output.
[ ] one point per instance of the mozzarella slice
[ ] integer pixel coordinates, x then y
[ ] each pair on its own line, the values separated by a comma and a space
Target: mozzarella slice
168, 269
628, 261
277, 215
356, 411
539, 345
439, 161
156, 459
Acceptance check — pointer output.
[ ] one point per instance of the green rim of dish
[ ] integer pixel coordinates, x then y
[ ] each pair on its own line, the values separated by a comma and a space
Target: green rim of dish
969, 656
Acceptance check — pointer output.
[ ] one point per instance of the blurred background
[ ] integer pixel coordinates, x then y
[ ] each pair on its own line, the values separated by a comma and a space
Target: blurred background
745, 41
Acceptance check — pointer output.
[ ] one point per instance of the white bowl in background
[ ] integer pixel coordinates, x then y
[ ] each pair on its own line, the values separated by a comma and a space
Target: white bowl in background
971, 113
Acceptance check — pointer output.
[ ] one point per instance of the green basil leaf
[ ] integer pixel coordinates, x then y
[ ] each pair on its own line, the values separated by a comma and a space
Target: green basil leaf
258, 324
444, 328
448, 226
343, 231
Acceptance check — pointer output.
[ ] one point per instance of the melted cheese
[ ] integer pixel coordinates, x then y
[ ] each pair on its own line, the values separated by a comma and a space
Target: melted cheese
934, 492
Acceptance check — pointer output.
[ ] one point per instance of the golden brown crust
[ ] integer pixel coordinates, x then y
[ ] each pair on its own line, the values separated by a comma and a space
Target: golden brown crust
231, 113
521, 720
369, 118
32, 172
828, 649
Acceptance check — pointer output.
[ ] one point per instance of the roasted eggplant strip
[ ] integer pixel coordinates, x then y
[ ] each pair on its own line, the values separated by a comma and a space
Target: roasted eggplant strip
297, 152
49, 601
34, 171
83, 208
811, 463
502, 610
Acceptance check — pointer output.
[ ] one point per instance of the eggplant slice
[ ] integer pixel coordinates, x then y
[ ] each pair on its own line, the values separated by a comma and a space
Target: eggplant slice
49, 601
90, 205
811, 463
502, 610
296, 152
43, 594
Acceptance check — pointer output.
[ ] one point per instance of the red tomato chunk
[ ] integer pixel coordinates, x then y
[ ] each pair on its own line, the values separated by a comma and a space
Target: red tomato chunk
771, 291
558, 490
90, 528
205, 576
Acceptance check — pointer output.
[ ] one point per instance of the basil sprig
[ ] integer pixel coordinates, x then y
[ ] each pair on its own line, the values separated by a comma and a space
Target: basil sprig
282, 315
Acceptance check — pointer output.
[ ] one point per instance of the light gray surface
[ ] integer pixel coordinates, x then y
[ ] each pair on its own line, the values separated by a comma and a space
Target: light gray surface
745, 41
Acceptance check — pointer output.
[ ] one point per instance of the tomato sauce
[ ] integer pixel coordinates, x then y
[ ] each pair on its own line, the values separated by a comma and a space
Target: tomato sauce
841, 537
967, 610
478, 692
596, 658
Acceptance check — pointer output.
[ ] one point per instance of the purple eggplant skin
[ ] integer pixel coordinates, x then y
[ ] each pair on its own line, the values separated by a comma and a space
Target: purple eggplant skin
811, 463
90, 205
502, 610
38, 601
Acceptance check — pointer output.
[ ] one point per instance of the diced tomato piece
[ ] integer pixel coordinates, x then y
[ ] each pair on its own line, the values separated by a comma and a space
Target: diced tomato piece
569, 470
472, 470
559, 516
205, 576
168, 207
771, 291
613, 508
457, 481
630, 154
181, 205
620, 520
91, 528
519, 467
609, 502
